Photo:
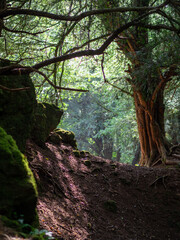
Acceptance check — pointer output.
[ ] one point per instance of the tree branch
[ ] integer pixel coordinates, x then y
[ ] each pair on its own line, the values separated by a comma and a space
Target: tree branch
164, 79
98, 51
25, 32
14, 89
56, 87
159, 27
86, 43
120, 89
17, 11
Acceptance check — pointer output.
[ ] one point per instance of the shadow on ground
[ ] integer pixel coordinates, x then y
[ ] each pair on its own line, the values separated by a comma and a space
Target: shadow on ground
83, 198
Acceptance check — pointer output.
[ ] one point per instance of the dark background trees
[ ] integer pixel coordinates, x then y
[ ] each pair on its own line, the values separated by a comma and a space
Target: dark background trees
43, 38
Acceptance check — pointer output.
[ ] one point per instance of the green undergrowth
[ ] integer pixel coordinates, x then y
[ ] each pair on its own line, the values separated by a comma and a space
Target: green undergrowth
26, 230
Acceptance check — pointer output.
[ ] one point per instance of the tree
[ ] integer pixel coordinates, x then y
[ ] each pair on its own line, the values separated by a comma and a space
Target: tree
103, 124
132, 27
86, 118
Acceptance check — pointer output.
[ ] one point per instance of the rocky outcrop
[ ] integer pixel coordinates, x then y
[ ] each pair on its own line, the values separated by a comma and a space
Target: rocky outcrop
46, 118
22, 118
17, 107
18, 193
20, 114
60, 135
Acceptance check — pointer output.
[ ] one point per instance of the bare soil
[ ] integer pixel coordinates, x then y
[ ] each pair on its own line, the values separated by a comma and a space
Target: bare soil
87, 197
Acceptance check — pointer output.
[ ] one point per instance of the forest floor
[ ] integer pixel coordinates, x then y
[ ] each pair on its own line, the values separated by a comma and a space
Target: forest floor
88, 197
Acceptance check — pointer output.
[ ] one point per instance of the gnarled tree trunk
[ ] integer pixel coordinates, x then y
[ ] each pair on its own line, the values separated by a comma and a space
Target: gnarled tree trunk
150, 120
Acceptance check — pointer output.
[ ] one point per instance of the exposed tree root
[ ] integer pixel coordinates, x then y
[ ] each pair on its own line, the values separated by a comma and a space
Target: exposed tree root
173, 158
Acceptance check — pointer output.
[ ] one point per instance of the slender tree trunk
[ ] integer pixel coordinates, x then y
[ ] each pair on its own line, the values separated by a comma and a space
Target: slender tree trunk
107, 147
137, 155
118, 155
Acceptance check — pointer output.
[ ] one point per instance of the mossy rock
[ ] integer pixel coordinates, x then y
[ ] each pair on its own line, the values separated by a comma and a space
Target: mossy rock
55, 138
46, 118
17, 107
17, 185
111, 206
81, 154
84, 153
67, 137
77, 153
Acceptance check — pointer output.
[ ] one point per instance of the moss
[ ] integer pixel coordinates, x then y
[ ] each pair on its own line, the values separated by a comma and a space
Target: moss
84, 153
81, 154
17, 185
17, 108
111, 206
67, 137
113, 165
76, 153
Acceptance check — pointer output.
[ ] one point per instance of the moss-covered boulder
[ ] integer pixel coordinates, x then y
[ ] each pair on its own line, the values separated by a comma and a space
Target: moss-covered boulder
55, 138
81, 154
16, 107
18, 192
46, 118
68, 137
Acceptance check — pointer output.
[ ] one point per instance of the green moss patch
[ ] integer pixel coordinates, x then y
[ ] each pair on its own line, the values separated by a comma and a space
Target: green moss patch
17, 108
81, 154
67, 137
17, 185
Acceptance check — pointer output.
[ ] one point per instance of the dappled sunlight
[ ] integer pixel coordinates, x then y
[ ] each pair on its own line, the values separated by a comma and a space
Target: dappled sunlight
72, 206
103, 200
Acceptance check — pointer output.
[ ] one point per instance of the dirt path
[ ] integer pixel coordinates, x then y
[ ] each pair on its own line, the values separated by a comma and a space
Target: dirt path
87, 197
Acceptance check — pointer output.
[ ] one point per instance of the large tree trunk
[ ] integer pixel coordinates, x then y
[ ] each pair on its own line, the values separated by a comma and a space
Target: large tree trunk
149, 109
150, 120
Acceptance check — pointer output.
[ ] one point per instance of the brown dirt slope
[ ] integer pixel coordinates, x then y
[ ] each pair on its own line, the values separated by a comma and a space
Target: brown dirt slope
88, 197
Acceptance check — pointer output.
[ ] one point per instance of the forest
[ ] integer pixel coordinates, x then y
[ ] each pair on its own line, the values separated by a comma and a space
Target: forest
89, 119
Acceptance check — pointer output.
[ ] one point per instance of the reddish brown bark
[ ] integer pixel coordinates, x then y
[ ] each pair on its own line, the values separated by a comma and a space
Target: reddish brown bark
150, 120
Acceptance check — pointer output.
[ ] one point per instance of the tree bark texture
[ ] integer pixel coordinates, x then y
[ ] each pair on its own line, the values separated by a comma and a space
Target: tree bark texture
150, 120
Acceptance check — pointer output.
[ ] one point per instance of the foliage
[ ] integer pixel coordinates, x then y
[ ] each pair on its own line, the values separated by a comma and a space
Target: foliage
99, 118
26, 230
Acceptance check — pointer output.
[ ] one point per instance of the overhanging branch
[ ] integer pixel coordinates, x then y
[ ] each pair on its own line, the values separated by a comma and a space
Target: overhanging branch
98, 51
14, 89
57, 87
13, 12
22, 32
159, 27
